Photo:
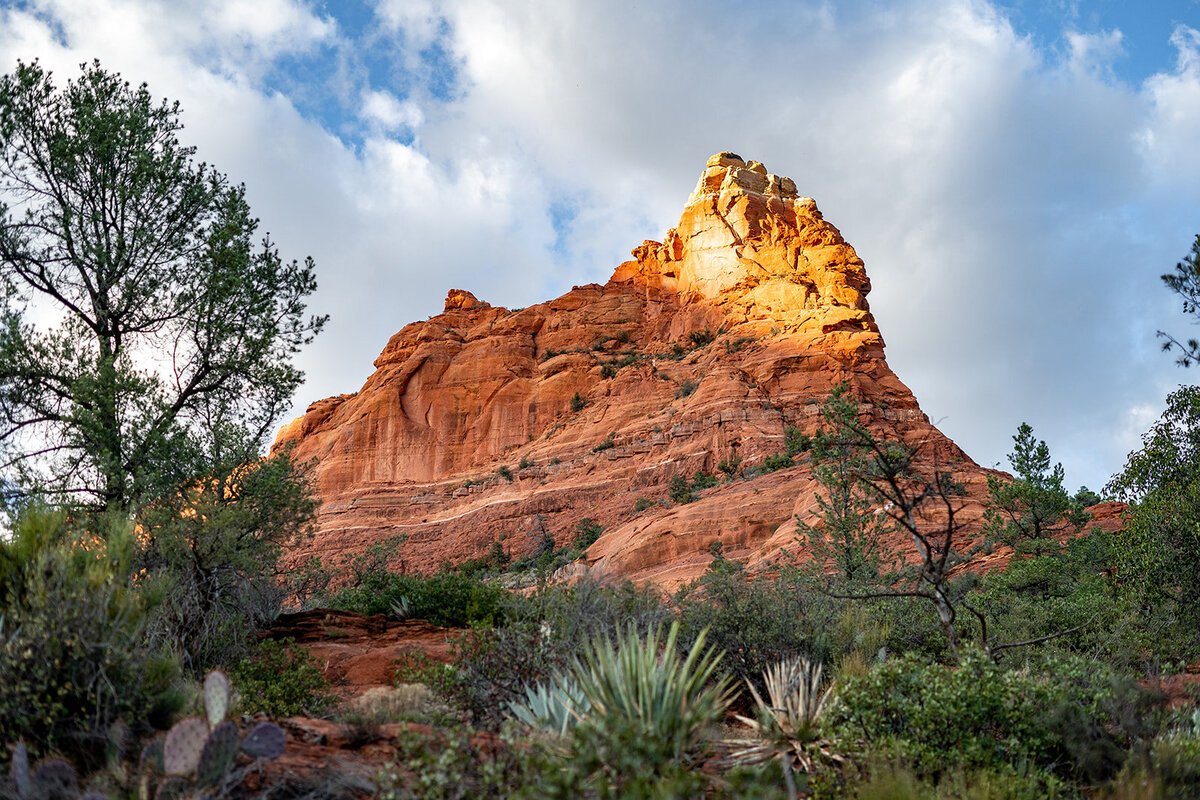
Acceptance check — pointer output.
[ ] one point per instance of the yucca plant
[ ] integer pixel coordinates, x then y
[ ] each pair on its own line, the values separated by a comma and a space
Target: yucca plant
554, 707
787, 727
645, 685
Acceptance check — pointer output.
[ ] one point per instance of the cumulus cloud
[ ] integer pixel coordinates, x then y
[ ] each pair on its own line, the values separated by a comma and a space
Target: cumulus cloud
387, 111
1014, 206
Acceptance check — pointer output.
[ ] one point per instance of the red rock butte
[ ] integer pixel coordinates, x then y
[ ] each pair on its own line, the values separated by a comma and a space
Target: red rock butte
485, 424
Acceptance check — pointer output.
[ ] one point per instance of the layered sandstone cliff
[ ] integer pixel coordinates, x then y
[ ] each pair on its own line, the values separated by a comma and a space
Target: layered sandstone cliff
701, 350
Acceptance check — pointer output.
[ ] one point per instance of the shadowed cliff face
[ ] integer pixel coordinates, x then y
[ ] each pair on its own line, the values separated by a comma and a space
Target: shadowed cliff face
699, 351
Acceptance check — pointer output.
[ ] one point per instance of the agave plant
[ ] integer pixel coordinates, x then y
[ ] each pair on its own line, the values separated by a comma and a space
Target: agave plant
647, 685
787, 726
555, 706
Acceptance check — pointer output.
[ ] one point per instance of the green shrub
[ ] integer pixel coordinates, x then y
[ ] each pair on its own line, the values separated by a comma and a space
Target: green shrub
545, 631
577, 402
73, 655
455, 764
702, 481
735, 345
756, 622
1175, 755
1072, 717
281, 679
586, 533
884, 779
730, 466
680, 491
687, 388
777, 462
642, 504
629, 359
504, 471
608, 370
701, 338
607, 444
447, 598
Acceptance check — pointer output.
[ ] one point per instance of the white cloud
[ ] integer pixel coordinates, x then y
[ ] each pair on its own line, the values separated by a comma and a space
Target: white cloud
1170, 134
389, 113
1014, 210
1094, 52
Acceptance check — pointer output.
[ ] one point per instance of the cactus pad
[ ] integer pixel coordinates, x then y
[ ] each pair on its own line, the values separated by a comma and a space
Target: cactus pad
54, 778
20, 770
216, 697
173, 789
219, 752
181, 751
265, 742
152, 757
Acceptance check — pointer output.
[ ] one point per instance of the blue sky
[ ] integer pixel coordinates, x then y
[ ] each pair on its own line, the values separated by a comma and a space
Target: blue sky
1016, 175
1144, 26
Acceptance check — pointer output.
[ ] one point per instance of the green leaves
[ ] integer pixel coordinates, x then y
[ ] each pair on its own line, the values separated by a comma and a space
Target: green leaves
1030, 511
166, 332
1158, 552
851, 536
643, 687
1185, 281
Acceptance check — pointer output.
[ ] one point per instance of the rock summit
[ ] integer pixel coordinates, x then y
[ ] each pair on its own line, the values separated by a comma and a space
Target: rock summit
485, 424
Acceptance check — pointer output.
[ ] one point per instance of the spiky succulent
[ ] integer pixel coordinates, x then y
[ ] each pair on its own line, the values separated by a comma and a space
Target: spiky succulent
787, 726
555, 706
645, 685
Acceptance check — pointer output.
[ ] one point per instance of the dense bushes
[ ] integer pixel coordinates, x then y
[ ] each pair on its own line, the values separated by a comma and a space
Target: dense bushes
449, 599
73, 655
754, 621
543, 633
281, 679
209, 557
1069, 718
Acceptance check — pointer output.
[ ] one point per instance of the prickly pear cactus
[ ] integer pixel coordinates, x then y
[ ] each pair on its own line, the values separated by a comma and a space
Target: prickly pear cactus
54, 778
173, 788
185, 741
216, 697
20, 770
152, 757
198, 756
219, 753
265, 742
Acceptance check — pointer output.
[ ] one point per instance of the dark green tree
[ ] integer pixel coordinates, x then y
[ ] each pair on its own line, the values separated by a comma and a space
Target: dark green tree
1028, 511
852, 535
1185, 281
890, 491
145, 334
912, 495
209, 556
1158, 551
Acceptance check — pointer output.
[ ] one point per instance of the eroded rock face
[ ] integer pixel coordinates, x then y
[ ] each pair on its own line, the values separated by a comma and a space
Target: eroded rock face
698, 352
